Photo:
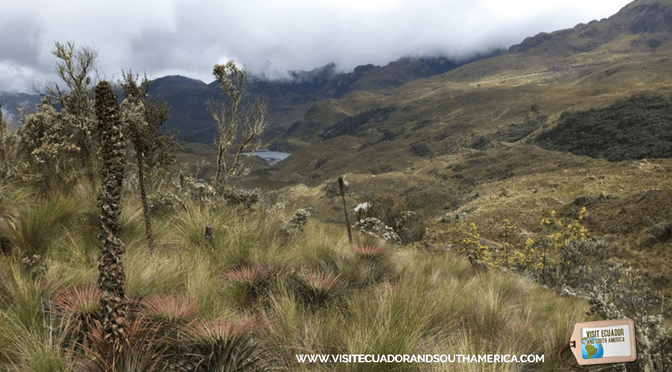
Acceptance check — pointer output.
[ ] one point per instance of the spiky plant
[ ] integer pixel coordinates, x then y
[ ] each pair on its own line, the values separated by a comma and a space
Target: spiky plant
370, 251
143, 352
171, 309
111, 278
250, 283
75, 311
227, 345
172, 315
320, 289
373, 265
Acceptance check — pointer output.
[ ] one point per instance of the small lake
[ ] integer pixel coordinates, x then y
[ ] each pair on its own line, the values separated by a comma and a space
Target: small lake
271, 157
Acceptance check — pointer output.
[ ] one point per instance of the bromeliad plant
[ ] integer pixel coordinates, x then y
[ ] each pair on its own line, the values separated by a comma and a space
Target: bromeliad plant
227, 345
76, 310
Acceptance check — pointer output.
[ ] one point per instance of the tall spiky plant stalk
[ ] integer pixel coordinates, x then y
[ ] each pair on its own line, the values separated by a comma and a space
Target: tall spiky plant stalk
111, 276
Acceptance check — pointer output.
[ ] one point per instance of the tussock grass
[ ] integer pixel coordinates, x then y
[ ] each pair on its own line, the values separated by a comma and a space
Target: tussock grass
14, 199
27, 340
42, 222
314, 292
72, 259
155, 274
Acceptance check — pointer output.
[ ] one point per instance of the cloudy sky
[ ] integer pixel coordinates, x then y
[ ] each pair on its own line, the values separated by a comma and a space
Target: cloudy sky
167, 37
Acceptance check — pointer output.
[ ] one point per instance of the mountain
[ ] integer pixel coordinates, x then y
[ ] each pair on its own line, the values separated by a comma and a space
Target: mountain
186, 98
512, 98
561, 121
11, 102
650, 20
289, 99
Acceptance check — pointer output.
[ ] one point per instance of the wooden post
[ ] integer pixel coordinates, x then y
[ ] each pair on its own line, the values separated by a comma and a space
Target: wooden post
345, 208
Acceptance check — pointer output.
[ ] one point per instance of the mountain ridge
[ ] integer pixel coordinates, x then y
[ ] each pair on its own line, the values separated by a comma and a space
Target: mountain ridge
516, 95
288, 99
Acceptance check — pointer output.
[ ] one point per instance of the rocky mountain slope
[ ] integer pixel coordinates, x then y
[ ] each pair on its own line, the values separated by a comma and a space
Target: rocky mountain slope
516, 97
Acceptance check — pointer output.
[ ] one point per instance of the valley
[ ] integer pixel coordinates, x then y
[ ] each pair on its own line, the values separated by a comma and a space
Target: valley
474, 140
532, 184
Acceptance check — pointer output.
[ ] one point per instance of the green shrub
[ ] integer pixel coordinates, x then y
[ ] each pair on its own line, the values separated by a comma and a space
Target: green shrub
635, 128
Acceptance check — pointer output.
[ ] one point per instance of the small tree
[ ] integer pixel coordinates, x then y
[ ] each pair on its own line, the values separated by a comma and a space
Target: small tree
235, 127
43, 136
78, 101
54, 137
142, 119
159, 148
133, 117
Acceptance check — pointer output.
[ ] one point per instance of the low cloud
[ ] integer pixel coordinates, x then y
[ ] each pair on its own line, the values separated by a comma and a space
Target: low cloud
267, 37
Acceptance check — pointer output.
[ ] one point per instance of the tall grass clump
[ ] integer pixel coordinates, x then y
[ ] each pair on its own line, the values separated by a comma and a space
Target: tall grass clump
388, 321
27, 339
159, 273
191, 225
320, 247
44, 221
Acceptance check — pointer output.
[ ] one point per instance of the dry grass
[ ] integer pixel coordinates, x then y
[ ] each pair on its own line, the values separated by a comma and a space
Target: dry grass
317, 294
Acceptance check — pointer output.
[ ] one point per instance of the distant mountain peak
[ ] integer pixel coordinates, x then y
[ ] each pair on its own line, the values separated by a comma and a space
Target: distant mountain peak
178, 79
642, 17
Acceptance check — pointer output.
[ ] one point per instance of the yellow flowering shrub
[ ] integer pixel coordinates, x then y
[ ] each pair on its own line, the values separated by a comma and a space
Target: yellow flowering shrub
541, 256
473, 246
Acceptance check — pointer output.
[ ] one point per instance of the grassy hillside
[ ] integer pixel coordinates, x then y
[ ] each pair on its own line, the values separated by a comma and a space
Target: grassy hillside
447, 114
310, 292
535, 187
628, 201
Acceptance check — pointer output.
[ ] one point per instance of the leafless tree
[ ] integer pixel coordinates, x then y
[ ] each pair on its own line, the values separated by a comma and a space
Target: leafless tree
238, 128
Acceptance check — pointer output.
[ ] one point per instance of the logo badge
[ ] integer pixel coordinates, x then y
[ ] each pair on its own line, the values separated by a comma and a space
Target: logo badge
602, 342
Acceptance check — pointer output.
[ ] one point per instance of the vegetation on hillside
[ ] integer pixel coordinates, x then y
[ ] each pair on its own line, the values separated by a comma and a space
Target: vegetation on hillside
636, 128
247, 282
251, 291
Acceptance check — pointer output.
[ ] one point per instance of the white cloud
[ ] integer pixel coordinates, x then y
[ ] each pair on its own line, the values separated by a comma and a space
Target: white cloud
270, 37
